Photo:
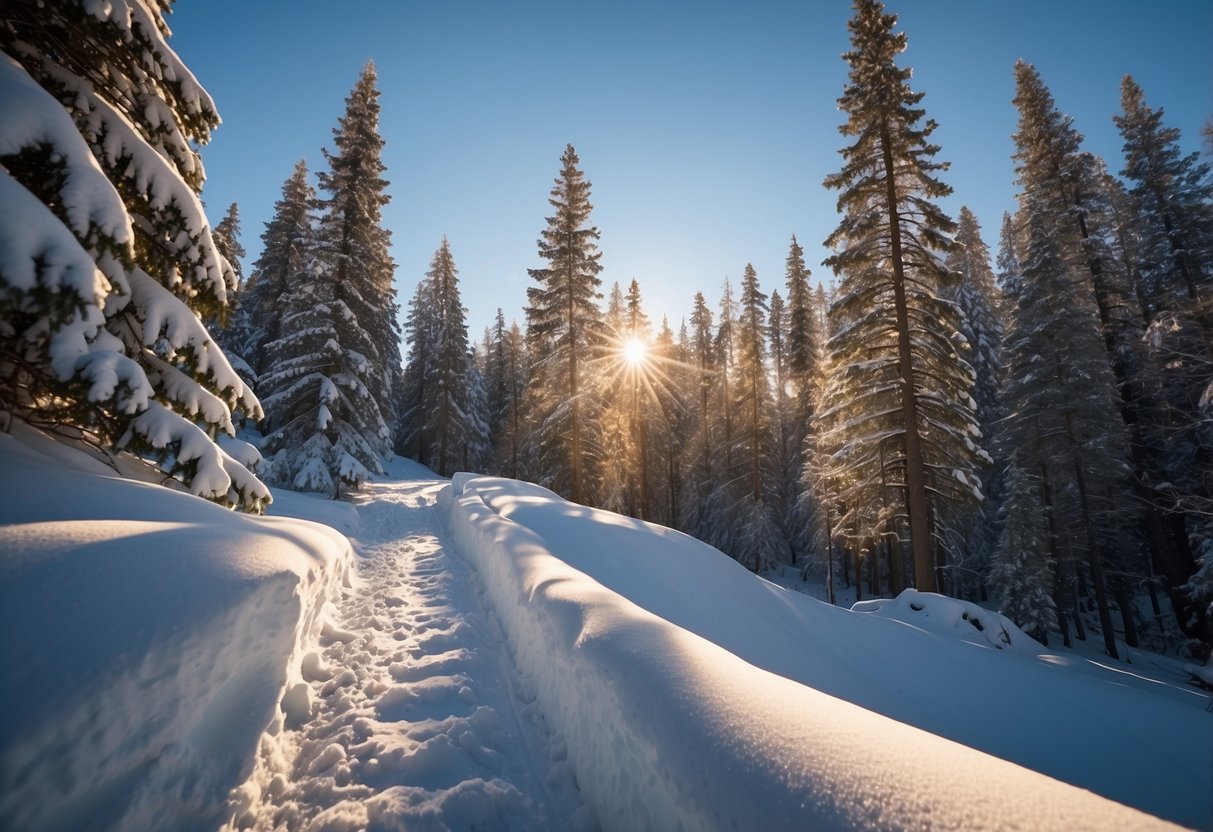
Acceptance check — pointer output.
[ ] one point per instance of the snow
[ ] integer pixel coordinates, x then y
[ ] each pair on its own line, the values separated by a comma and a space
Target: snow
34, 119
494, 657
148, 636
666, 728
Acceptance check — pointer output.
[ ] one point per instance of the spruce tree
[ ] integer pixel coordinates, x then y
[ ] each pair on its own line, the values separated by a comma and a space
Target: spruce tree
1022, 573
896, 369
1060, 396
416, 389
286, 247
975, 296
353, 247
109, 265
564, 329
702, 458
1063, 184
760, 542
450, 416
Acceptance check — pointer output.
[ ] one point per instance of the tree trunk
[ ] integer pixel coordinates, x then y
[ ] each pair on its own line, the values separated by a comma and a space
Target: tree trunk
1093, 553
916, 480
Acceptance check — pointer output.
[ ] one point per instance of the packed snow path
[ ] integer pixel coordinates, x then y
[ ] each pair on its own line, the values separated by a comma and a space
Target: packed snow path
411, 716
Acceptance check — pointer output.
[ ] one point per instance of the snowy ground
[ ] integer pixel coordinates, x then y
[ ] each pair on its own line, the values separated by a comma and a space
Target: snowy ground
489, 656
408, 716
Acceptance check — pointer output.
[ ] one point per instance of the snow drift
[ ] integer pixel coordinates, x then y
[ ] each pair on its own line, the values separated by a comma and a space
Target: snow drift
149, 637
666, 729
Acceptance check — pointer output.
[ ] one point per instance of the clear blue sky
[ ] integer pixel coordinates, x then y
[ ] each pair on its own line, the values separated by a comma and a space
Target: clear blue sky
705, 128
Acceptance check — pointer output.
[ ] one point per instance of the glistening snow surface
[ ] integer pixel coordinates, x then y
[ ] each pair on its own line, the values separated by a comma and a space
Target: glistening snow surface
1137, 741
459, 672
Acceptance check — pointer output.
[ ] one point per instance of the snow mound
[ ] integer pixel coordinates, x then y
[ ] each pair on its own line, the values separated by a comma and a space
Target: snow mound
149, 637
952, 617
666, 729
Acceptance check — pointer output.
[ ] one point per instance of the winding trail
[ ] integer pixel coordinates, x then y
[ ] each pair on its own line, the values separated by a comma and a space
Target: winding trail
414, 714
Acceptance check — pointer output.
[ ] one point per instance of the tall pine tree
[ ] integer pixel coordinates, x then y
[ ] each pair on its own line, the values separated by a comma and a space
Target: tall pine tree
564, 330
903, 415
353, 245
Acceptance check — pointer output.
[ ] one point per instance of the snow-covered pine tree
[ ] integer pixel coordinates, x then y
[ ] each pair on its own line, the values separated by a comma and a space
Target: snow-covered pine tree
752, 482
416, 393
1064, 184
107, 261
564, 331
975, 296
1171, 197
322, 425
1169, 213
505, 379
232, 328
1022, 574
803, 339
286, 249
450, 413
353, 249
1060, 396
900, 393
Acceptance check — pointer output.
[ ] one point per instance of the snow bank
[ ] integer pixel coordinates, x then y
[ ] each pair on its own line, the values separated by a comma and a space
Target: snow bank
1081, 727
666, 730
148, 638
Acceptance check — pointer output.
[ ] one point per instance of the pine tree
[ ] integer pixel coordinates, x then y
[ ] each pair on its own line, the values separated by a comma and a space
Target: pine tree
896, 370
702, 458
332, 370
109, 264
975, 296
1064, 185
286, 246
804, 338
1168, 211
449, 417
564, 330
760, 543
1022, 573
416, 389
1060, 396
232, 327
353, 247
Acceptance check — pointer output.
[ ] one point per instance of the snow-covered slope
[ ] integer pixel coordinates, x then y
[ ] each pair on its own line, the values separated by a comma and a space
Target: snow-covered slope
691, 693
148, 637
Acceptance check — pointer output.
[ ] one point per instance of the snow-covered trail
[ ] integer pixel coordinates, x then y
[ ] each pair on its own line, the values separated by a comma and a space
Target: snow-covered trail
410, 715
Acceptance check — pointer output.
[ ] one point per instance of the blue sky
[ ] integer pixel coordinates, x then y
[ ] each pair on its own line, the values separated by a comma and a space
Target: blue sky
706, 128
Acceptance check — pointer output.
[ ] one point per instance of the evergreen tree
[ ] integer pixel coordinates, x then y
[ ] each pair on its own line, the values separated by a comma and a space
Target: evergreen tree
233, 327
975, 296
1064, 185
899, 388
702, 458
1022, 574
286, 247
353, 247
1169, 213
108, 264
335, 361
564, 328
416, 389
804, 338
1060, 396
322, 426
760, 543
448, 419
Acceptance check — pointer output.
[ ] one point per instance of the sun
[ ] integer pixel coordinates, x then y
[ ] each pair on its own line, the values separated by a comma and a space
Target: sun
635, 352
